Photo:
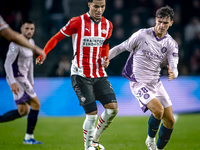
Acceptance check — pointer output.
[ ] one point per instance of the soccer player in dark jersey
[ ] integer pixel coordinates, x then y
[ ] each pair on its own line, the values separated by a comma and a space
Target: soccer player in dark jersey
13, 36
90, 36
148, 49
19, 75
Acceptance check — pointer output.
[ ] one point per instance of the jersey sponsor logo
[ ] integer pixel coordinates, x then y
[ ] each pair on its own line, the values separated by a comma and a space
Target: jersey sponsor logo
104, 31
175, 54
93, 41
87, 29
151, 55
164, 49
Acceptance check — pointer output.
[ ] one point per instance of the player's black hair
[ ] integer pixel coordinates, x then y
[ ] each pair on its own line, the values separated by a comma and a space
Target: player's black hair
165, 12
90, 1
27, 21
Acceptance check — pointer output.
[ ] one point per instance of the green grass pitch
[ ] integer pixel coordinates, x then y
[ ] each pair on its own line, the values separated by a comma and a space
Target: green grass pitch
125, 133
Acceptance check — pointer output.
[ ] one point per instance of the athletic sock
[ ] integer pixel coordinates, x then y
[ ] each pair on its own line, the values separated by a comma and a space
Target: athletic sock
164, 136
29, 136
88, 129
104, 121
151, 139
153, 126
10, 115
32, 120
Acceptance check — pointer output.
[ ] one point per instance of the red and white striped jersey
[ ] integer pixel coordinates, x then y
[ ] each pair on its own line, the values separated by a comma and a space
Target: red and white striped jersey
87, 39
3, 24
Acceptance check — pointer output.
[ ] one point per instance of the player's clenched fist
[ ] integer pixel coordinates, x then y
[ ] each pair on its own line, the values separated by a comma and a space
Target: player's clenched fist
105, 62
41, 58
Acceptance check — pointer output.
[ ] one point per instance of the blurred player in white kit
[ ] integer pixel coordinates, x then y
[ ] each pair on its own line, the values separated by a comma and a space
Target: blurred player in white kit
148, 49
19, 75
13, 36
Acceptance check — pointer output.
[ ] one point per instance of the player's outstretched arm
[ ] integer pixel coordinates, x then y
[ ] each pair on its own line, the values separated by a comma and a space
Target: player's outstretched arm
116, 51
49, 46
14, 36
171, 74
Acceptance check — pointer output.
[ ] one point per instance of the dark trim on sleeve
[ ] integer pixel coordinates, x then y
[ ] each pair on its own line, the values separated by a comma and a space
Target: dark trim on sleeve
106, 42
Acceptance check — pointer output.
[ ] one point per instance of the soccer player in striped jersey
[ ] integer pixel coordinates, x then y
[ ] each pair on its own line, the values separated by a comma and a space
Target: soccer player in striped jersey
148, 49
13, 36
90, 36
19, 75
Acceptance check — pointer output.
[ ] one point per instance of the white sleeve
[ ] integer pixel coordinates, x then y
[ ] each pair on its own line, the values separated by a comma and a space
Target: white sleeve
116, 51
173, 59
133, 41
13, 51
128, 45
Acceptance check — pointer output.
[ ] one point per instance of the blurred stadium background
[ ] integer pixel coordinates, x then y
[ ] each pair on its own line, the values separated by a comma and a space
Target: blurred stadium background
52, 81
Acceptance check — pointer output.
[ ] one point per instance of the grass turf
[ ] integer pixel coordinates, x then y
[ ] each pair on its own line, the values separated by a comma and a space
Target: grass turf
125, 133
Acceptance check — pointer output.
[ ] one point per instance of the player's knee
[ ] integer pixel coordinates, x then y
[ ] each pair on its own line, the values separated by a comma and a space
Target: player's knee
23, 112
169, 123
38, 105
158, 114
112, 112
111, 106
92, 113
172, 121
35, 104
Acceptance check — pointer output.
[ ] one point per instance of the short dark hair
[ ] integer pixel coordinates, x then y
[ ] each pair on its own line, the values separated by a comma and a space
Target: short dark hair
27, 21
90, 1
165, 12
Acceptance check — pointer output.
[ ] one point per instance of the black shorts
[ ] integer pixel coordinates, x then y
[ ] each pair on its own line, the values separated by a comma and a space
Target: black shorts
90, 89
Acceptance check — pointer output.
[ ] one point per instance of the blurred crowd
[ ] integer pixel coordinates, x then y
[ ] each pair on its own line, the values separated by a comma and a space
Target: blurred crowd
127, 17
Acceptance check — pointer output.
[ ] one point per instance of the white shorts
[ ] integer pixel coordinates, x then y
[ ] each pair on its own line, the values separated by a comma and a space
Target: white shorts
26, 90
145, 92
